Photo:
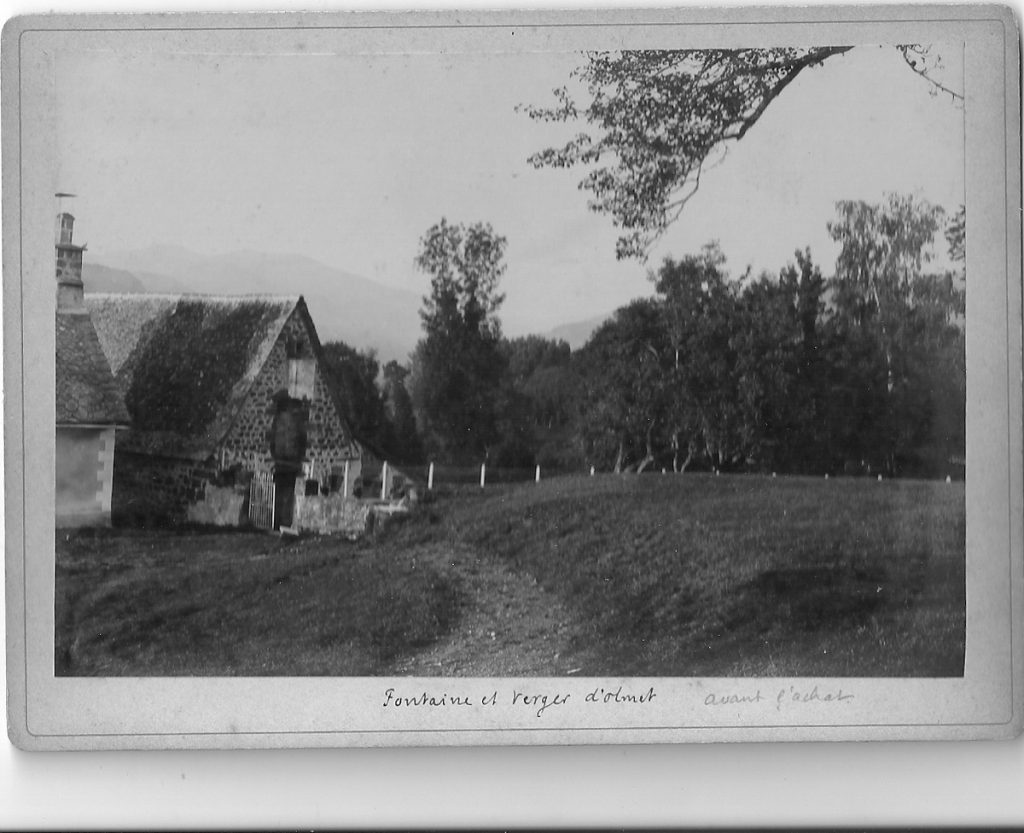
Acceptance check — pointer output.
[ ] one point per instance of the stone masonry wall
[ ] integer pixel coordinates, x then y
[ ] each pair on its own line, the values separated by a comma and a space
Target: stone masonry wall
155, 490
220, 506
248, 443
332, 513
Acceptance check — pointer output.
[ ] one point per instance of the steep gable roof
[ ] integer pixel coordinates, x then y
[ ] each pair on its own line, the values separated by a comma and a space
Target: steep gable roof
86, 391
185, 363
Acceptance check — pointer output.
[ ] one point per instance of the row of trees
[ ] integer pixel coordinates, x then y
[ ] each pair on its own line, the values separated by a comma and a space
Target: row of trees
793, 372
788, 372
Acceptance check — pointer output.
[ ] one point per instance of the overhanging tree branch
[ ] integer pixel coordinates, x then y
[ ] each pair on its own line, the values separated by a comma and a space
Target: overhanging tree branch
916, 58
657, 116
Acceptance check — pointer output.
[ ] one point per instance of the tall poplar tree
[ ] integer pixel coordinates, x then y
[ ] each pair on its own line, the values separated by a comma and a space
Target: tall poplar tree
458, 366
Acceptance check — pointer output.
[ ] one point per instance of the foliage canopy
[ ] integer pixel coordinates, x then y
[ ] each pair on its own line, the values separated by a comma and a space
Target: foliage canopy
458, 367
660, 118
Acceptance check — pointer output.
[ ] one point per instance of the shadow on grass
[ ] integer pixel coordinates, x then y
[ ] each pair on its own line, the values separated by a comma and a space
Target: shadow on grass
810, 597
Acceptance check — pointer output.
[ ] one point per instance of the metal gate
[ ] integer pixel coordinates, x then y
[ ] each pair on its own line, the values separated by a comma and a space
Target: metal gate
261, 501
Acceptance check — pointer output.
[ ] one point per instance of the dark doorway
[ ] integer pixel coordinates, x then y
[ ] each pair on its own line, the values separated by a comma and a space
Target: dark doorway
288, 448
284, 497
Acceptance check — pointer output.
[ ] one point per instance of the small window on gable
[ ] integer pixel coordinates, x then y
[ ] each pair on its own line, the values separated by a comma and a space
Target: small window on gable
297, 347
301, 376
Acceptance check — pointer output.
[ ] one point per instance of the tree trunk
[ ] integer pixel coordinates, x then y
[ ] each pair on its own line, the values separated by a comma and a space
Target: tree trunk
649, 456
618, 458
889, 381
689, 458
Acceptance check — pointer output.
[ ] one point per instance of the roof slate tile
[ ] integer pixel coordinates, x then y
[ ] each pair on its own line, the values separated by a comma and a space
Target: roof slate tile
185, 363
86, 391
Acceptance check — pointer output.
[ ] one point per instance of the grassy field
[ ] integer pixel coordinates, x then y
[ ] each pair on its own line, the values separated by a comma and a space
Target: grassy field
659, 575
243, 603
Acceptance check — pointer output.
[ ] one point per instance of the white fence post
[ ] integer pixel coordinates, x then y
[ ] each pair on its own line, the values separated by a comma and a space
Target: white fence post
537, 476
591, 471
430, 477
483, 474
344, 483
384, 481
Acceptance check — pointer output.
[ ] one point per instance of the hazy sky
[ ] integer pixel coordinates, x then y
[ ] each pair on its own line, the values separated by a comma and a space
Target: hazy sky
349, 159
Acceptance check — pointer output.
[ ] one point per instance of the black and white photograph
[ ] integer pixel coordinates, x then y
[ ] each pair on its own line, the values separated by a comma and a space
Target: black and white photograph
577, 365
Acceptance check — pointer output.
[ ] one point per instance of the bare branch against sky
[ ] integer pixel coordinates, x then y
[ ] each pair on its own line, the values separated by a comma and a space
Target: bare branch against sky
348, 159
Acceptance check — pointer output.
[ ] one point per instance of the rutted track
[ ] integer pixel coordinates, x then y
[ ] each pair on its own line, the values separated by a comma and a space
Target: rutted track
509, 627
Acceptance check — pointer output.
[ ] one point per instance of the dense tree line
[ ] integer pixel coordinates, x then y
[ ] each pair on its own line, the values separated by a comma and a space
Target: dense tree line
862, 372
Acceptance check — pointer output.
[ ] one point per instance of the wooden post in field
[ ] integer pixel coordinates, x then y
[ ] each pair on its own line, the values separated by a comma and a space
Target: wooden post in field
344, 482
430, 477
591, 471
384, 481
536, 477
483, 474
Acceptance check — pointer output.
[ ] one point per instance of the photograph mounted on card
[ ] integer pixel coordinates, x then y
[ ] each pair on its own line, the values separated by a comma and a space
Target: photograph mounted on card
510, 378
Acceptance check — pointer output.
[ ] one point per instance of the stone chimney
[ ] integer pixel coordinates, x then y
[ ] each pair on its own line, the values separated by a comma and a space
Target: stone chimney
70, 289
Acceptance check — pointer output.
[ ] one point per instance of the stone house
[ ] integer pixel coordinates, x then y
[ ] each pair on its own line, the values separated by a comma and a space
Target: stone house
233, 419
89, 407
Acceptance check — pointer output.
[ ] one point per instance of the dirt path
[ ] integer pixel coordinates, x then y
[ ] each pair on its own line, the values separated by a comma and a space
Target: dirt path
510, 627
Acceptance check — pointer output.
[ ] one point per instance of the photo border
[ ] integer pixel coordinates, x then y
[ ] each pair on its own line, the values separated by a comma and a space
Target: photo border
45, 712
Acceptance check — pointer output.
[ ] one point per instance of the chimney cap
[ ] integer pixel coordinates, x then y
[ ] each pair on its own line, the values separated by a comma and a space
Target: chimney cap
66, 230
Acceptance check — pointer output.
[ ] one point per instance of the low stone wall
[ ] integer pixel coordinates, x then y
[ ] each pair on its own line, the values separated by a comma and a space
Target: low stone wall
151, 490
332, 513
159, 491
221, 506
386, 513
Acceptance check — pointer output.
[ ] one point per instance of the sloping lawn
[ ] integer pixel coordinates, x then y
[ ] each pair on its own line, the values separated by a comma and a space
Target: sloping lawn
689, 575
742, 575
244, 603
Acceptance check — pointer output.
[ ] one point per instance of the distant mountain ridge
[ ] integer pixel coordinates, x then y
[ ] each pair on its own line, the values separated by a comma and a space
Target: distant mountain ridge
344, 306
577, 333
